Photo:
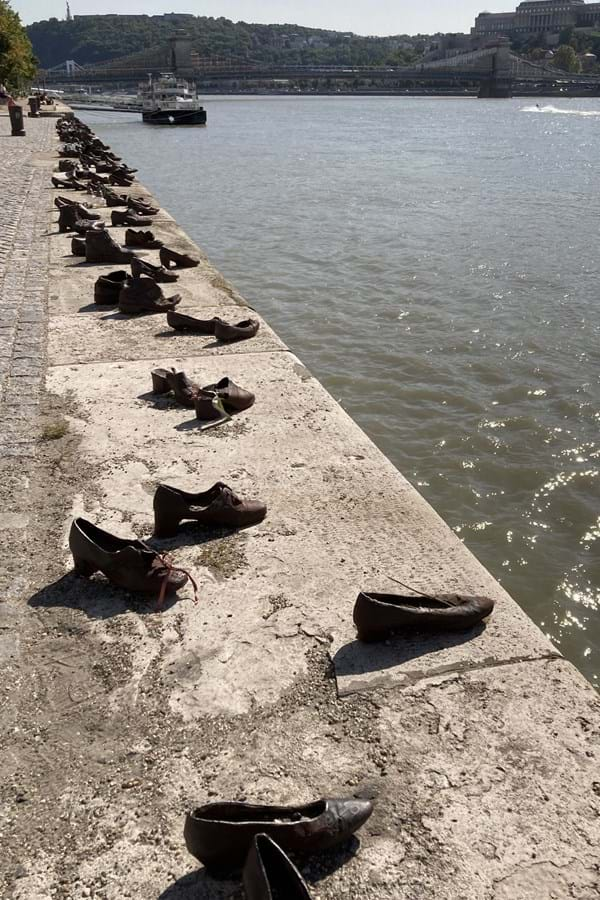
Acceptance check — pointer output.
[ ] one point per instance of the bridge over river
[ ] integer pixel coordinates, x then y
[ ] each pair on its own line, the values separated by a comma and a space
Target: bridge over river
495, 69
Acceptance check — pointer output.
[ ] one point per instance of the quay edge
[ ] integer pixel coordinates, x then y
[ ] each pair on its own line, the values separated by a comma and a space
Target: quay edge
481, 751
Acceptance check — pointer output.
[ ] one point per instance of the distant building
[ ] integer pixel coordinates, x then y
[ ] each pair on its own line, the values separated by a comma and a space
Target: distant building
536, 17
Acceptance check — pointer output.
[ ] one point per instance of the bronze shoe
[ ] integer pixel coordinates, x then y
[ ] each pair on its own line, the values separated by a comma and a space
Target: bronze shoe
181, 322
108, 288
239, 332
141, 207
184, 390
69, 219
141, 239
209, 407
170, 259
376, 616
114, 199
220, 834
78, 246
144, 295
127, 217
233, 397
101, 248
218, 506
130, 564
159, 273
269, 873
82, 208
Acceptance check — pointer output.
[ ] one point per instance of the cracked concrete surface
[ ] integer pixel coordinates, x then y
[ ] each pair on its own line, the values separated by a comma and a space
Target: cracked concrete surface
480, 750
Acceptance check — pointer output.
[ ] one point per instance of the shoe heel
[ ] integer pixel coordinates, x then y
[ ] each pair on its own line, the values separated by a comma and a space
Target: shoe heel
160, 385
165, 526
83, 567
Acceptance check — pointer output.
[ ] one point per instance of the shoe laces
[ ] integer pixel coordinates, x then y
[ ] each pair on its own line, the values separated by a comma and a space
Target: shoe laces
162, 561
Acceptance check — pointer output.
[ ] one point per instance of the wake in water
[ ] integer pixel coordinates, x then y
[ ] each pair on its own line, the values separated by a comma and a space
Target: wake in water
562, 112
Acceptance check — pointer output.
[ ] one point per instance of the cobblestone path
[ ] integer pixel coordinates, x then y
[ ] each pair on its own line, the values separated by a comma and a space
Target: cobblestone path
24, 252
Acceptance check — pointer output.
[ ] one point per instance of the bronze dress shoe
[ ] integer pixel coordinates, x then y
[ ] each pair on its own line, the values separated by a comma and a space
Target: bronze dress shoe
218, 506
114, 199
101, 248
127, 217
220, 834
170, 259
108, 288
270, 874
144, 295
376, 616
141, 207
239, 332
181, 322
130, 564
233, 397
159, 273
141, 239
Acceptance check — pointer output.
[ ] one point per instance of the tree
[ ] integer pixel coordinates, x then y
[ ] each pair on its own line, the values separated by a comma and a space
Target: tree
18, 65
566, 59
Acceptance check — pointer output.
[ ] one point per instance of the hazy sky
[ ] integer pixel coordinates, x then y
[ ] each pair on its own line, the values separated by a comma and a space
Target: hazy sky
361, 16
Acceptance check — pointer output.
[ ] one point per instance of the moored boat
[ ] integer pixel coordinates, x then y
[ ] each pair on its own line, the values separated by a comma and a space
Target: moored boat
168, 100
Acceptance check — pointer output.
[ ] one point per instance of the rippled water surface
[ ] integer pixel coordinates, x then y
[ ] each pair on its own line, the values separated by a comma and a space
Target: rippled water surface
435, 262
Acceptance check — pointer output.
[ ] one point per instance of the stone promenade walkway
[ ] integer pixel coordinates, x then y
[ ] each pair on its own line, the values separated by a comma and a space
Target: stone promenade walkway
24, 263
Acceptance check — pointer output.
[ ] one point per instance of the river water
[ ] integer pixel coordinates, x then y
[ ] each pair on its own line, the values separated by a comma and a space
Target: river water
435, 263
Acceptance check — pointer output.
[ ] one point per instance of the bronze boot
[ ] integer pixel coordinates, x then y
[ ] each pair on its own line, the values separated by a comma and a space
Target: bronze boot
143, 295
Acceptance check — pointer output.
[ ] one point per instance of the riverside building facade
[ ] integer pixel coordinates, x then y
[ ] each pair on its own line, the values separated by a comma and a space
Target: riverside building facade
536, 17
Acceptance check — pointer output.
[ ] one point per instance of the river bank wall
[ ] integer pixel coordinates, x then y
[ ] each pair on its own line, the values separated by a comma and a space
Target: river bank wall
480, 750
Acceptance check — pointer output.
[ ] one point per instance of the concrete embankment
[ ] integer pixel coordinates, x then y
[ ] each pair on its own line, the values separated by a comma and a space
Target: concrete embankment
481, 749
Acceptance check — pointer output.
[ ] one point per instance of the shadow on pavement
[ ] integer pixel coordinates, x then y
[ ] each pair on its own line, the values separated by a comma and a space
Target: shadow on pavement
96, 597
357, 658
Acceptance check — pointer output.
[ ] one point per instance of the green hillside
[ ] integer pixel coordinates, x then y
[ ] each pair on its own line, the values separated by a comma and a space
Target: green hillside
95, 39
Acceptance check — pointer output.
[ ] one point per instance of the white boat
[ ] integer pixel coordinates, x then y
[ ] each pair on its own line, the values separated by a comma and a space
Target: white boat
168, 100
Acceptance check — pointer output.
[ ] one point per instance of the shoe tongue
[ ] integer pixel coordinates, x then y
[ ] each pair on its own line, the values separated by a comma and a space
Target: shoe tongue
226, 496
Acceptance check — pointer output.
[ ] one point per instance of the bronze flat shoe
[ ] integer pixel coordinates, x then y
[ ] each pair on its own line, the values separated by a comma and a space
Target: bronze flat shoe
130, 564
144, 295
141, 239
270, 874
218, 506
376, 616
184, 390
108, 288
159, 273
220, 834
181, 322
233, 397
127, 217
172, 260
239, 332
